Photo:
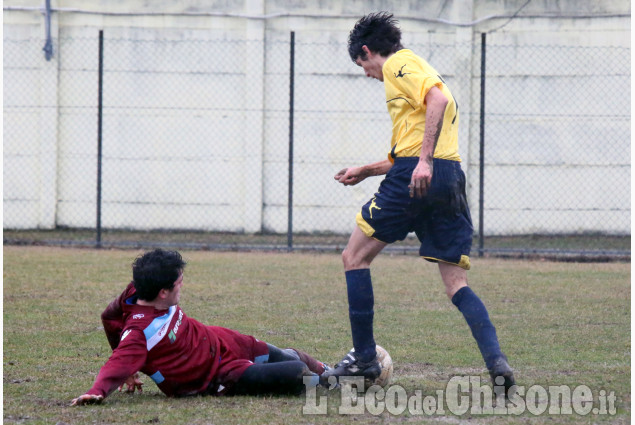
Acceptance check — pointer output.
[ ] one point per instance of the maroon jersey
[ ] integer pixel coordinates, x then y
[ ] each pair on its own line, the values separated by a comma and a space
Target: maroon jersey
180, 354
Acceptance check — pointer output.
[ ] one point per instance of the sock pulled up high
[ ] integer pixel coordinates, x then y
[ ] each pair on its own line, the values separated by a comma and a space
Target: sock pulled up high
361, 303
478, 320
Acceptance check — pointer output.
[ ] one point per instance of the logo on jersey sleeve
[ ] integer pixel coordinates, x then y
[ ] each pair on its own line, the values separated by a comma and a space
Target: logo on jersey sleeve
125, 334
401, 73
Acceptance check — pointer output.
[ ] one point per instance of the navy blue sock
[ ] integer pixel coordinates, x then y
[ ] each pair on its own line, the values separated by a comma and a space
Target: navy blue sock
477, 318
360, 312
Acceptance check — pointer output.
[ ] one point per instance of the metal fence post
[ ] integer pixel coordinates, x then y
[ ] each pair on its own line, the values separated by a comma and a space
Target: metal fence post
99, 124
481, 182
48, 46
291, 105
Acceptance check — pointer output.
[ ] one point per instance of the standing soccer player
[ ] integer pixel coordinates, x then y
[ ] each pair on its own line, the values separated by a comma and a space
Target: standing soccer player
423, 192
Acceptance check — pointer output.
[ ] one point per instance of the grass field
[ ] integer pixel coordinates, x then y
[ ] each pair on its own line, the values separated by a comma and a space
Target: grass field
559, 323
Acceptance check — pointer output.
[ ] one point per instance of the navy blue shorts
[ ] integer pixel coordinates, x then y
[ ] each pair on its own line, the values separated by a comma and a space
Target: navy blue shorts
441, 219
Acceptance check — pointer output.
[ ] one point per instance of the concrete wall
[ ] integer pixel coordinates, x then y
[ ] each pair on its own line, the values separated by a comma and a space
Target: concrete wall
212, 149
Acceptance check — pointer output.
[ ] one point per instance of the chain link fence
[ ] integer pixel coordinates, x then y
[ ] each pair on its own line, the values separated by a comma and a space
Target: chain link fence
557, 146
196, 139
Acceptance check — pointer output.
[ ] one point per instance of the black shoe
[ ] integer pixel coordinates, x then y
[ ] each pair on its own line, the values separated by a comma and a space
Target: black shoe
350, 365
502, 369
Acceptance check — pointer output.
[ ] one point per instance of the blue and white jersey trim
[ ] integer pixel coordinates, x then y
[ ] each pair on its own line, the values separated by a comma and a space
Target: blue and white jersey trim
157, 377
158, 328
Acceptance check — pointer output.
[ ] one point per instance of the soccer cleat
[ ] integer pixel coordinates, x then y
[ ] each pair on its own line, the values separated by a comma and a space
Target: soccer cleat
350, 365
501, 369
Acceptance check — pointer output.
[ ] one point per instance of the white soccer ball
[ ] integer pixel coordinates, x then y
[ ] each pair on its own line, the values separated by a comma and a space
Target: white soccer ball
385, 361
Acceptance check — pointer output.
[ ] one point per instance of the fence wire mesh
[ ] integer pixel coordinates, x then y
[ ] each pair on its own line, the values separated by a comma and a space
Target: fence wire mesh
196, 138
557, 144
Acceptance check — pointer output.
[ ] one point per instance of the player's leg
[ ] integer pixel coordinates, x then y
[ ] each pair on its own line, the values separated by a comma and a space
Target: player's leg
384, 219
286, 377
357, 257
291, 354
454, 278
446, 237
475, 314
360, 251
251, 366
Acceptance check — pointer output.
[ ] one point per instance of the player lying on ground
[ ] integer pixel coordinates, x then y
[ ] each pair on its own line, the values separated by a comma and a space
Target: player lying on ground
149, 332
423, 192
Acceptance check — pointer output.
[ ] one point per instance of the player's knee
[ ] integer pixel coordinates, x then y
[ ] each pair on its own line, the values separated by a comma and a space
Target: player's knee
450, 290
454, 278
351, 260
346, 258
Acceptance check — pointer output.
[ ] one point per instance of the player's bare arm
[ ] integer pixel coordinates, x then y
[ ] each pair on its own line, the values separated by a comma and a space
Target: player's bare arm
353, 175
436, 102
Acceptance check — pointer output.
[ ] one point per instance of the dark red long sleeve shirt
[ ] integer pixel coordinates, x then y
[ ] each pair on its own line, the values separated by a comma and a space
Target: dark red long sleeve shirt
180, 354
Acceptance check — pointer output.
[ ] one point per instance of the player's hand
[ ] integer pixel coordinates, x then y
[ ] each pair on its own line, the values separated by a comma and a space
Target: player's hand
350, 176
421, 179
132, 383
87, 399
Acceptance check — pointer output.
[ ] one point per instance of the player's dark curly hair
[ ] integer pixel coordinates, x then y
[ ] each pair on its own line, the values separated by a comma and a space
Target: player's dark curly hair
156, 270
379, 32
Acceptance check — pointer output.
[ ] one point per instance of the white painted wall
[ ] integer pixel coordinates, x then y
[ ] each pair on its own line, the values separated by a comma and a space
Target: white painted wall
212, 147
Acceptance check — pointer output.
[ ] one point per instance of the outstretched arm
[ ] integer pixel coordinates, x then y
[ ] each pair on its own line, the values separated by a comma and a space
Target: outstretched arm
133, 382
120, 369
353, 175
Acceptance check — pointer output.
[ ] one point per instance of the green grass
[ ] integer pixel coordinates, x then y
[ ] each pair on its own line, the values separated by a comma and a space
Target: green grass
559, 323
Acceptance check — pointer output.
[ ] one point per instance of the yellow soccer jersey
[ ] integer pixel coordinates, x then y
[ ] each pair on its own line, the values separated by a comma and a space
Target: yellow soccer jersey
407, 80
